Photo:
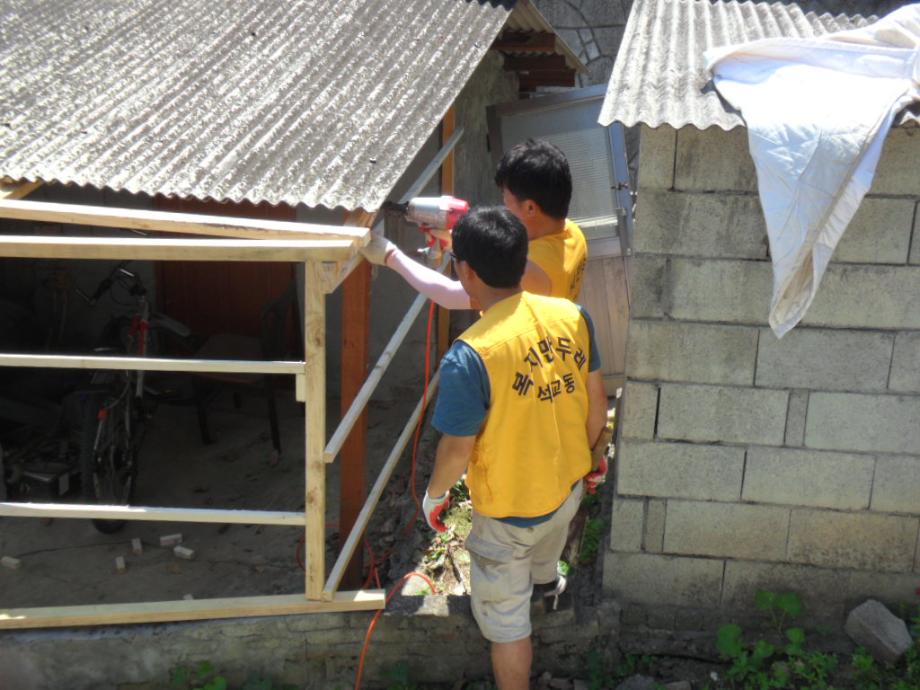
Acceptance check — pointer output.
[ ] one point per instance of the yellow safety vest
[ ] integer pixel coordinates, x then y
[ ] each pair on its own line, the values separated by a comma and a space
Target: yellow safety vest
562, 257
533, 445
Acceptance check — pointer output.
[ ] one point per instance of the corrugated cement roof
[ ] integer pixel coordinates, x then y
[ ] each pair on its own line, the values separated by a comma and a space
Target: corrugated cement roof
660, 78
321, 102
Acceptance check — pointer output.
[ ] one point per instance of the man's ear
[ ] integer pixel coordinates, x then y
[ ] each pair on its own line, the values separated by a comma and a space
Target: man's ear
531, 208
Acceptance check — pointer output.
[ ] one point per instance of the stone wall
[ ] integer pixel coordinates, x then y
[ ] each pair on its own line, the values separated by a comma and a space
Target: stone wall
434, 636
749, 462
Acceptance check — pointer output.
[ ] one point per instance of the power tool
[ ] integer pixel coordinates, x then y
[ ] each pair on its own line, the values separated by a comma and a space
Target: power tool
435, 216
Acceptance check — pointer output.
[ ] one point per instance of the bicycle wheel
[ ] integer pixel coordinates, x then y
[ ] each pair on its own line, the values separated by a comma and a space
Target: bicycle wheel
110, 438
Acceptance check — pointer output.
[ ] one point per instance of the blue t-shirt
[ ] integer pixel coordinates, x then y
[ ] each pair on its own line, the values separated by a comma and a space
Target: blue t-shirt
465, 396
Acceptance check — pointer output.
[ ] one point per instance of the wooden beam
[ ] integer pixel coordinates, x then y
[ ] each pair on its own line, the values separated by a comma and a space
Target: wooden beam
547, 78
356, 324
214, 366
173, 249
525, 42
525, 63
196, 609
314, 340
85, 512
17, 190
184, 223
447, 187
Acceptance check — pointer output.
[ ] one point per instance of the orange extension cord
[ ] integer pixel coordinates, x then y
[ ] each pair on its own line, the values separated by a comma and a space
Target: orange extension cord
373, 574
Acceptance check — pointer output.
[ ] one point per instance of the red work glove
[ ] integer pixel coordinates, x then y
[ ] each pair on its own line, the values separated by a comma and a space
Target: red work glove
596, 478
434, 508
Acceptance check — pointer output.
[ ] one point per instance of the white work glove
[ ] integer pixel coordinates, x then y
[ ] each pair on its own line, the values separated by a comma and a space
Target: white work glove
378, 249
434, 508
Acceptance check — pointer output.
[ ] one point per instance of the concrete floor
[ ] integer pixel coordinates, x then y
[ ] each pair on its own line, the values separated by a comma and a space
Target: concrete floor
67, 561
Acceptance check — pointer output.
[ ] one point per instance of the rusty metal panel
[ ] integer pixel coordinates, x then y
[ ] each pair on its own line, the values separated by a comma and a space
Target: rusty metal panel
320, 102
660, 78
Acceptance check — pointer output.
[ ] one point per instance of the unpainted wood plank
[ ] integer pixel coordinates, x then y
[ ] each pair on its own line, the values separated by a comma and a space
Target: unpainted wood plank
187, 610
219, 366
150, 513
17, 190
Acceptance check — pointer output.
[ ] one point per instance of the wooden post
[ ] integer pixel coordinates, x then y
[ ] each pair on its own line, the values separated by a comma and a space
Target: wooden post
447, 187
356, 322
314, 339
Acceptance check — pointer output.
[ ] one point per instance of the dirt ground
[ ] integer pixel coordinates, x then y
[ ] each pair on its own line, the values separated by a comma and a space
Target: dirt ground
66, 561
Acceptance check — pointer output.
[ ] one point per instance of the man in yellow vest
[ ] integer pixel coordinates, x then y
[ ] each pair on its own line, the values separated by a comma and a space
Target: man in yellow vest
536, 187
521, 407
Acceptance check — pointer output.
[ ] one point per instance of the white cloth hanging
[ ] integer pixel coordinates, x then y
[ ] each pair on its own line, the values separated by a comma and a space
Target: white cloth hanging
817, 113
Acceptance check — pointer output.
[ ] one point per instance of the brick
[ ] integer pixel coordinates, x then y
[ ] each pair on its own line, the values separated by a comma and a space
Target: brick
170, 540
905, 363
649, 277
878, 234
795, 418
10, 563
626, 524
867, 541
825, 359
120, 565
727, 415
653, 540
184, 553
897, 168
808, 478
680, 470
726, 529
865, 296
724, 290
897, 485
672, 351
821, 589
854, 421
702, 225
714, 160
640, 410
652, 579
137, 546
656, 157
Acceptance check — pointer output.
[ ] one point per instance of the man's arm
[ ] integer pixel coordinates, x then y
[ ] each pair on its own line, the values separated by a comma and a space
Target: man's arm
450, 463
597, 407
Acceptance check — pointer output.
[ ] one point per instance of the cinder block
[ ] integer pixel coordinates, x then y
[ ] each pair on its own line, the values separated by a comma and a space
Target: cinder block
808, 478
897, 168
649, 276
724, 290
640, 410
863, 296
795, 418
905, 364
867, 541
825, 359
652, 579
897, 484
893, 589
856, 421
822, 590
698, 353
878, 234
914, 257
656, 157
626, 524
714, 160
702, 225
680, 470
726, 415
653, 541
733, 530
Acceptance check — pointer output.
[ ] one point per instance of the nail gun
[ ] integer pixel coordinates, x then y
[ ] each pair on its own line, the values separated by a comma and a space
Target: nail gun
435, 217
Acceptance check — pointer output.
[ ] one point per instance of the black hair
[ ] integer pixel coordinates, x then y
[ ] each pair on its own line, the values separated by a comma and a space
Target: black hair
537, 170
494, 243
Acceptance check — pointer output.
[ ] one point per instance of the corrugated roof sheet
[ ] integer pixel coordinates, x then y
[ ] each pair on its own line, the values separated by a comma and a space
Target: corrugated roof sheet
660, 78
321, 102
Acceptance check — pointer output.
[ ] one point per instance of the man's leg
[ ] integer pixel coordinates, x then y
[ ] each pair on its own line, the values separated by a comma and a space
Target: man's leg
511, 664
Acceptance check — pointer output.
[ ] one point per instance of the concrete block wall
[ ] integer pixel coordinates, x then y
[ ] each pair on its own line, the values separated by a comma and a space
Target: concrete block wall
748, 462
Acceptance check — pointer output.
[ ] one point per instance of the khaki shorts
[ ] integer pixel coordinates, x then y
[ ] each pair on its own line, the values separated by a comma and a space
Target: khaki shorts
507, 561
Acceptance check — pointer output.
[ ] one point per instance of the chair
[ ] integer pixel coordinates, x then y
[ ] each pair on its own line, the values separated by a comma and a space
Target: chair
270, 345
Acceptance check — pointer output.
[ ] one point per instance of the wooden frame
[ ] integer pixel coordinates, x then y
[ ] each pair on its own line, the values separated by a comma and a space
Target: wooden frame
324, 244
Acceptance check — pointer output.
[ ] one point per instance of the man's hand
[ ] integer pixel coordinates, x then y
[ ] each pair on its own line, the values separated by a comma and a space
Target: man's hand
595, 479
434, 508
378, 249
